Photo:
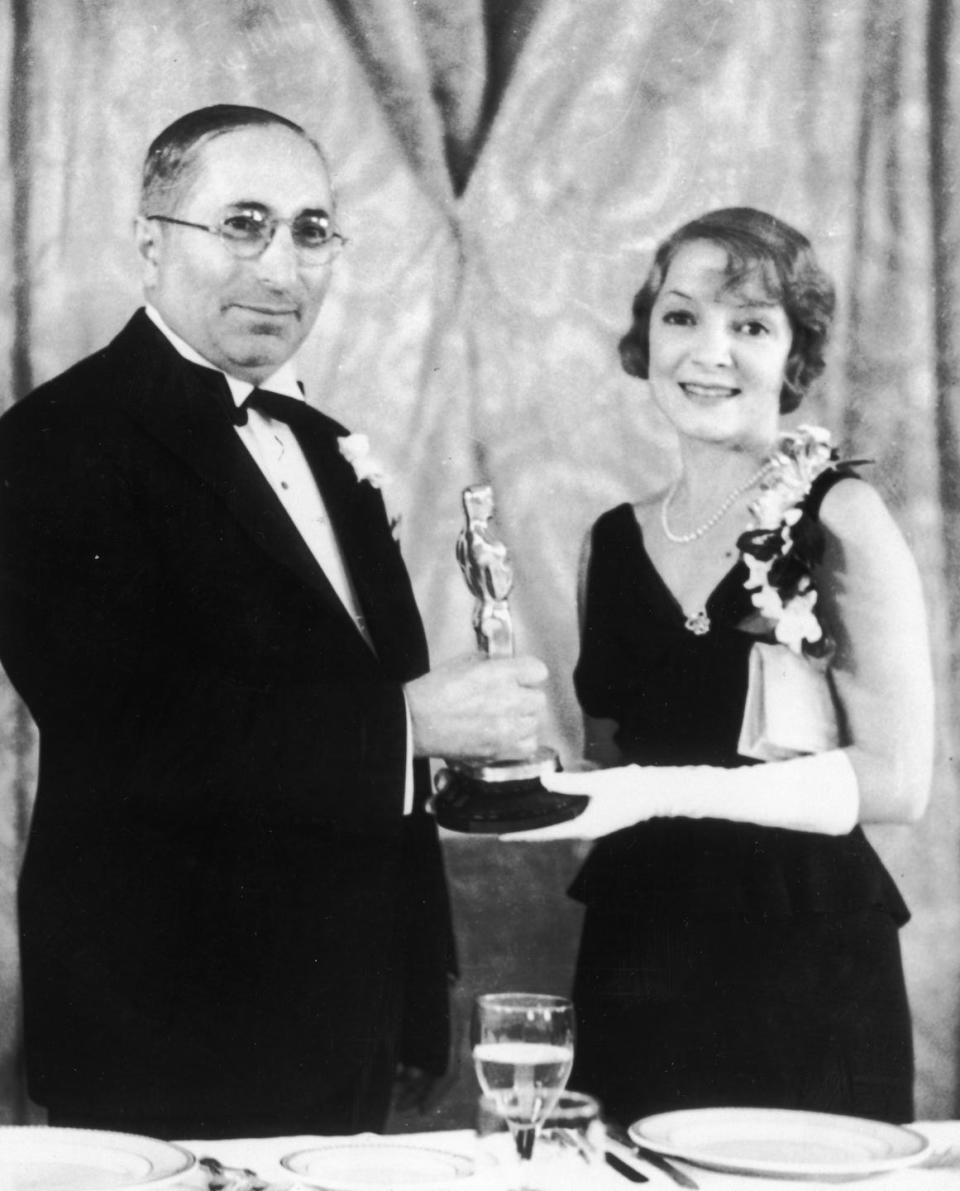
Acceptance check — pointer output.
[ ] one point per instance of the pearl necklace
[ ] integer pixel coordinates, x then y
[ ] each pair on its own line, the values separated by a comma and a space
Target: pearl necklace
682, 539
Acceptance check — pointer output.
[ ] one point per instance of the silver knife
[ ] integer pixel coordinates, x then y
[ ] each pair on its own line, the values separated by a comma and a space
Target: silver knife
618, 1153
680, 1177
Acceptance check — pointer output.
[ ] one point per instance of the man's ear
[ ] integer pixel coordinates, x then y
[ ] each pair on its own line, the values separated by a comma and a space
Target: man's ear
148, 239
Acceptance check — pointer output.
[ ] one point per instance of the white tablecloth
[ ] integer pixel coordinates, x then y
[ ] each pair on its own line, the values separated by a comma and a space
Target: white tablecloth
263, 1155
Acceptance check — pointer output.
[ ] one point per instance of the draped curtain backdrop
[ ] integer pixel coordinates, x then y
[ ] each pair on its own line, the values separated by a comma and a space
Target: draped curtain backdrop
504, 168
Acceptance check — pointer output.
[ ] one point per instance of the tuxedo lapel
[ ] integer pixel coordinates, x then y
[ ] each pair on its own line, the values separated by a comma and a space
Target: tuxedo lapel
372, 557
164, 394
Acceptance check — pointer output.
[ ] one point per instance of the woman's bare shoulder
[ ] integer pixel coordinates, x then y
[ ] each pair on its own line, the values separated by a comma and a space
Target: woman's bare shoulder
854, 512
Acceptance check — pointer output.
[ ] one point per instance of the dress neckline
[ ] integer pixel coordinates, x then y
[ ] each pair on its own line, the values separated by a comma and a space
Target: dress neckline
736, 576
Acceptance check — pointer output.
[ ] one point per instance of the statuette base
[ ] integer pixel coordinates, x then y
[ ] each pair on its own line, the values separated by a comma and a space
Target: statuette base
502, 797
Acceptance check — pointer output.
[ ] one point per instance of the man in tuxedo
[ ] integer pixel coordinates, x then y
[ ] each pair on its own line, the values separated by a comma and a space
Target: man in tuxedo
234, 918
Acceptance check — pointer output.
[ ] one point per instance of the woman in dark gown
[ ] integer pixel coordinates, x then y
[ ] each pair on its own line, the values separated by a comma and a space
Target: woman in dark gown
740, 939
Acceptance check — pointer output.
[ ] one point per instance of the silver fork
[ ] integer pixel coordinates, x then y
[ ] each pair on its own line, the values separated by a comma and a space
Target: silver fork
943, 1141
945, 1156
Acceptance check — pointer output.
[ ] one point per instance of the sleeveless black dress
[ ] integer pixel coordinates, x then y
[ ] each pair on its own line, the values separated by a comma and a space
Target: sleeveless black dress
721, 963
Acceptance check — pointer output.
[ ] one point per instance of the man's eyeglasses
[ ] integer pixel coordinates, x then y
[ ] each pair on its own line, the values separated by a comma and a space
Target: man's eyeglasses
248, 233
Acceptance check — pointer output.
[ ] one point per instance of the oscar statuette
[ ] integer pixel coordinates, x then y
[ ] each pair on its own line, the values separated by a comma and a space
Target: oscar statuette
495, 797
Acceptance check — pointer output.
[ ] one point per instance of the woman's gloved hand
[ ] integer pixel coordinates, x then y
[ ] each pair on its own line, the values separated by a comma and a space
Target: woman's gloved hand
817, 793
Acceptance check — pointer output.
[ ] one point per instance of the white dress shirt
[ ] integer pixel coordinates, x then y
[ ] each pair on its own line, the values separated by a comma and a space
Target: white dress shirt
276, 451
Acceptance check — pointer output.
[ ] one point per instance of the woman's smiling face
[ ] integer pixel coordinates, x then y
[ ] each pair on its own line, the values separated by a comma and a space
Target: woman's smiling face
718, 352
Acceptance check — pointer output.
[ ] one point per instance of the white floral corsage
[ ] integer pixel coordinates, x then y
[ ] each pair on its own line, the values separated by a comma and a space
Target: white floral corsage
784, 543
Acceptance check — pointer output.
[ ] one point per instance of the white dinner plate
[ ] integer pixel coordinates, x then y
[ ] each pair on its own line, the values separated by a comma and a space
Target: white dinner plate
44, 1158
780, 1143
362, 1165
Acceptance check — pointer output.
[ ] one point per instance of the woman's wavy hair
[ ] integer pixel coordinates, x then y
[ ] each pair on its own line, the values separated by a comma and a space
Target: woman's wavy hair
758, 245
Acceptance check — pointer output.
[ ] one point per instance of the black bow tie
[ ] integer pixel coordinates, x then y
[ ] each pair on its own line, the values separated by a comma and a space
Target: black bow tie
274, 405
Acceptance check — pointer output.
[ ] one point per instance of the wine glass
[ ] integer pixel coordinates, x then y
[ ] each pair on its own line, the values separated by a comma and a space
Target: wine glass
523, 1052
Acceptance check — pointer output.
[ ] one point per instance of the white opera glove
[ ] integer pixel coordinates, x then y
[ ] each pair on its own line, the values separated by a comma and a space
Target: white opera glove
817, 793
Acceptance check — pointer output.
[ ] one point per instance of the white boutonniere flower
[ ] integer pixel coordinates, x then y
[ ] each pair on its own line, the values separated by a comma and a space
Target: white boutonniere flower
355, 448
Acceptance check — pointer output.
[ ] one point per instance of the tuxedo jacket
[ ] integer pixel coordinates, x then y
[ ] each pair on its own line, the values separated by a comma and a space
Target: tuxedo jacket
222, 906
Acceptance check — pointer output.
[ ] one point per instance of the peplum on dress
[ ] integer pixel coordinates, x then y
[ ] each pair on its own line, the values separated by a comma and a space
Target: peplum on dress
721, 963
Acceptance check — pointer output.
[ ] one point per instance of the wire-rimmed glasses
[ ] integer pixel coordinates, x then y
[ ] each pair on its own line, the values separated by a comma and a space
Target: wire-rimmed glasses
247, 232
